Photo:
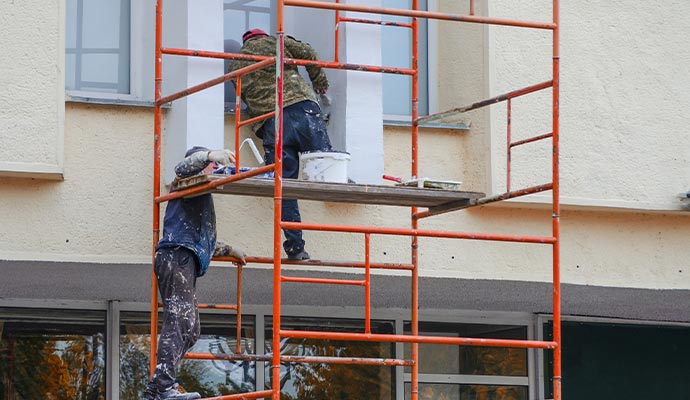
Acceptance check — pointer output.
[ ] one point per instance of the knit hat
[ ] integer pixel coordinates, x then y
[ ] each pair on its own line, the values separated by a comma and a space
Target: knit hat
252, 33
195, 149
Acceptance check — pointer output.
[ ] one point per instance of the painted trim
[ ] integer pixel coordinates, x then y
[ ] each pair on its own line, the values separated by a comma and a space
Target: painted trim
541, 201
460, 379
112, 349
53, 172
80, 258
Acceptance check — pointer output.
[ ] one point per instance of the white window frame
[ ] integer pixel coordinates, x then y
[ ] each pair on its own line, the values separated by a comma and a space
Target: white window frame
141, 60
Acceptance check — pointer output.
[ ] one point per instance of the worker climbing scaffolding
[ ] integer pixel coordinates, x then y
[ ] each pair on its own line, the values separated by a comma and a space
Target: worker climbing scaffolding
303, 124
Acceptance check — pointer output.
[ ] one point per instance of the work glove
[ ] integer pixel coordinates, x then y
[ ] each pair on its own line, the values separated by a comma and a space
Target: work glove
225, 250
238, 254
222, 157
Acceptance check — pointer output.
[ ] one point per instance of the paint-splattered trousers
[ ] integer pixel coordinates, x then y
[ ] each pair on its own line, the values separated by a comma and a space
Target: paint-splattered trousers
175, 269
304, 129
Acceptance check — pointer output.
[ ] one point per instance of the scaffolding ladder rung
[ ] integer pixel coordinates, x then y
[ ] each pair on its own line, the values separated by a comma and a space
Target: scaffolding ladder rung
421, 14
532, 139
418, 232
375, 22
320, 263
326, 281
214, 306
226, 357
243, 396
348, 360
460, 341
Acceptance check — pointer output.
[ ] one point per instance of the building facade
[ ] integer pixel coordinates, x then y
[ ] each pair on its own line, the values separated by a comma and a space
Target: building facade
76, 193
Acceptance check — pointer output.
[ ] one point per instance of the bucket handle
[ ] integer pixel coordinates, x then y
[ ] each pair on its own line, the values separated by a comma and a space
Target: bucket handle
255, 151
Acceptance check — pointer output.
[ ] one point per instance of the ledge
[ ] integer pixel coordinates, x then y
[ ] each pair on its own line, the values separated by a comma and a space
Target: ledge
32, 171
116, 102
431, 125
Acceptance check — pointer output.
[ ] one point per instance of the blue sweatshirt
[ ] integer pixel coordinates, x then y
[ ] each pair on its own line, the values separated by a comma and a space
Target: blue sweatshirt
191, 222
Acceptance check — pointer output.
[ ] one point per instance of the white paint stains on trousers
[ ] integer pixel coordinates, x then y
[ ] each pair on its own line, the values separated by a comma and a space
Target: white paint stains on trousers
175, 269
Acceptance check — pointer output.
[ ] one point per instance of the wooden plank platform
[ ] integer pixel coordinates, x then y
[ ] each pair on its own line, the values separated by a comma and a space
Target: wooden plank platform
337, 192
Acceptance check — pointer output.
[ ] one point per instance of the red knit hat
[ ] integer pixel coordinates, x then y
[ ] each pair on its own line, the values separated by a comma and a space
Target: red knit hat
253, 33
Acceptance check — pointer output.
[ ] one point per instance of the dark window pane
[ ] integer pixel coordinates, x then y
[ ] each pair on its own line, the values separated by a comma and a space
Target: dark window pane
311, 381
644, 361
208, 377
470, 360
467, 392
52, 354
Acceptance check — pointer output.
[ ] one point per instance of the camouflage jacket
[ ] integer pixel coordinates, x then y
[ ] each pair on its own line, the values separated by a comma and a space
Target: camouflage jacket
258, 87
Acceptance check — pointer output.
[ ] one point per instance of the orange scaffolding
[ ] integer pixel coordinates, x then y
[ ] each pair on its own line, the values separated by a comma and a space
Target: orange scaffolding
367, 231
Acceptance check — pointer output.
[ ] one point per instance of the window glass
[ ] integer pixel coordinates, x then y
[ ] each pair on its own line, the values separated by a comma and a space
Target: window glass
97, 48
52, 354
471, 360
208, 377
332, 381
396, 51
644, 361
238, 17
467, 392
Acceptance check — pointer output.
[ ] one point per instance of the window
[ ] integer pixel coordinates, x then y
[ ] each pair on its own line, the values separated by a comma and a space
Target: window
238, 17
396, 47
208, 377
623, 361
333, 381
470, 372
97, 46
52, 354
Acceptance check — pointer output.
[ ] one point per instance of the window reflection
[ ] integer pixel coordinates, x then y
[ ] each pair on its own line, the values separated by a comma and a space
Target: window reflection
467, 392
470, 360
312, 381
52, 354
208, 377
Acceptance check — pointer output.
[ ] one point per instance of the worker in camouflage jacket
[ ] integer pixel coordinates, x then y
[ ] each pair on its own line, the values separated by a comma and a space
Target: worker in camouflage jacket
183, 254
304, 128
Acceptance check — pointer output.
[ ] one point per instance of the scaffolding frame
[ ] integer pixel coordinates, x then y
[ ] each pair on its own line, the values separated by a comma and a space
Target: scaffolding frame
367, 231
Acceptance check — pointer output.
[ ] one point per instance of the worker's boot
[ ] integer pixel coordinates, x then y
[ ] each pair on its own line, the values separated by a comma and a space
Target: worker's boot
174, 393
299, 256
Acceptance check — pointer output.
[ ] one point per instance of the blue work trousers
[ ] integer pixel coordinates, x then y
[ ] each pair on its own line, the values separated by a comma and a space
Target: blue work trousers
304, 129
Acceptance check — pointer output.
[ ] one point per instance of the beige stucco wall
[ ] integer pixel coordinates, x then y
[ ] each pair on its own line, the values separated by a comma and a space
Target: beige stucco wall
102, 210
32, 78
624, 70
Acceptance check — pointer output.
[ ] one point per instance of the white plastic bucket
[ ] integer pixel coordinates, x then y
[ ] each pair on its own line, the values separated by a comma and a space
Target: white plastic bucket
324, 166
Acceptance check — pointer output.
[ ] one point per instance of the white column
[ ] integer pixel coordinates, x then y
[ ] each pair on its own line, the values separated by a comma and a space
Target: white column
195, 120
356, 97
363, 116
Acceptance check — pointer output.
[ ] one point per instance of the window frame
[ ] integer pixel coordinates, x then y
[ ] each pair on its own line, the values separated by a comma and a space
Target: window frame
259, 313
542, 319
140, 62
427, 70
488, 318
229, 86
40, 312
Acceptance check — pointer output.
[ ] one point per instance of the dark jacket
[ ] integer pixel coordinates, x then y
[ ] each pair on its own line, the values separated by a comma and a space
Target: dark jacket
191, 222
